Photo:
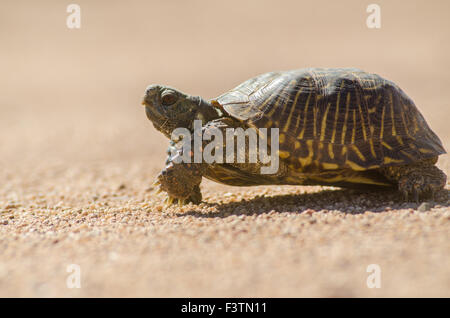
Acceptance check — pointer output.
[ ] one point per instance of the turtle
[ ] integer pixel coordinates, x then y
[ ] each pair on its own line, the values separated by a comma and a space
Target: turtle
340, 127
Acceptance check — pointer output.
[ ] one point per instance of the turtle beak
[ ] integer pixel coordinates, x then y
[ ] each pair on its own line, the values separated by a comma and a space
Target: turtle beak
147, 103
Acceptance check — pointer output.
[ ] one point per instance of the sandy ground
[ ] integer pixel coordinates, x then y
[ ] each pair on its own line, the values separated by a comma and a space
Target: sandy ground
78, 156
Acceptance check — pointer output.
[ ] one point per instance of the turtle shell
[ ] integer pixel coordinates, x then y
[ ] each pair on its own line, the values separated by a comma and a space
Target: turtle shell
334, 118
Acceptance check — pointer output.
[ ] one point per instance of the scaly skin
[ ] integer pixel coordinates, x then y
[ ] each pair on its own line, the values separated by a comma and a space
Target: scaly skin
181, 182
417, 180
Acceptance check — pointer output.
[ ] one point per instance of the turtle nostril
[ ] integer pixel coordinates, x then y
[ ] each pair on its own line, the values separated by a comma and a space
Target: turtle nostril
152, 90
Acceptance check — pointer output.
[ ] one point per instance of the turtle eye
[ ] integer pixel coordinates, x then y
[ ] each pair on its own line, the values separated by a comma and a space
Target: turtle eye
168, 98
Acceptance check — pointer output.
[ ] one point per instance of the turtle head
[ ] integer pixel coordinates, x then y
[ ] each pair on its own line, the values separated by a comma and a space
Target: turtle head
168, 108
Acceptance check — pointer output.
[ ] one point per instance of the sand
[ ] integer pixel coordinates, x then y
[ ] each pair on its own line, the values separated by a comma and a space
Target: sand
78, 157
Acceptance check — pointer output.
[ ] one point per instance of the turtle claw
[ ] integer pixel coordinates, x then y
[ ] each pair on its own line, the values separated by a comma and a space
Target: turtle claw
156, 183
169, 200
416, 195
405, 196
158, 190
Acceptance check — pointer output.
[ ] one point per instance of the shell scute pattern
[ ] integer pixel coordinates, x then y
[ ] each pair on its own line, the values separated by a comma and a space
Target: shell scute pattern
335, 118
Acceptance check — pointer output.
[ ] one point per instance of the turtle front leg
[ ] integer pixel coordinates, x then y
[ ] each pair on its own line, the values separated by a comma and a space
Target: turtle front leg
417, 180
181, 181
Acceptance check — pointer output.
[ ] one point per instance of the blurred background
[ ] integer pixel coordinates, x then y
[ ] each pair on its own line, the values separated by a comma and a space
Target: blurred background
74, 94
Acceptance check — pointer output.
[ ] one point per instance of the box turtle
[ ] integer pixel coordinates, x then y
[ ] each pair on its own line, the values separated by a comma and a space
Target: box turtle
337, 127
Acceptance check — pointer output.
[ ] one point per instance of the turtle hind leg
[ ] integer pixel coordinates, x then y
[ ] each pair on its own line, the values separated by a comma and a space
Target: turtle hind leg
418, 180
